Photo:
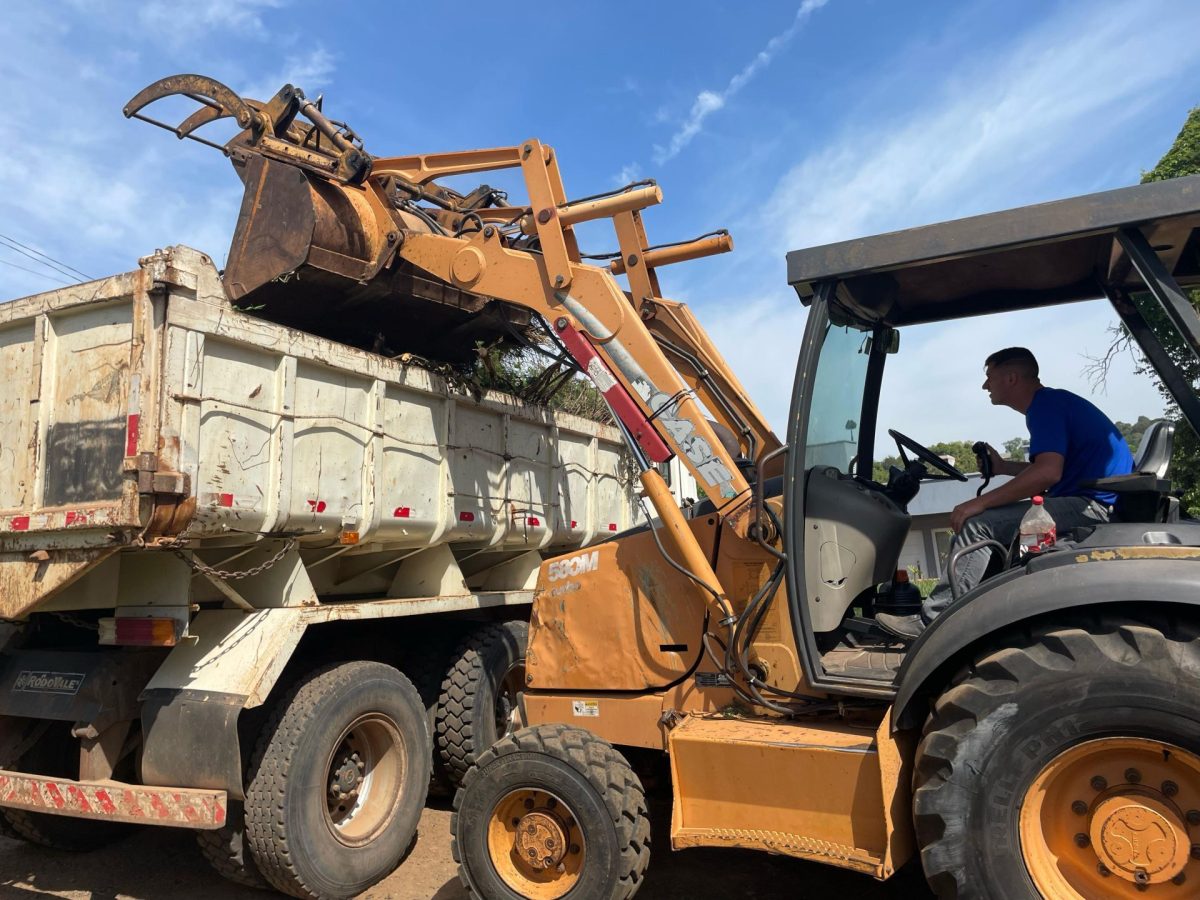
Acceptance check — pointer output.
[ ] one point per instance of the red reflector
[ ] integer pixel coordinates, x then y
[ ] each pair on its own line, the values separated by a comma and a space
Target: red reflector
225, 500
146, 632
465, 516
574, 524
534, 521
20, 523
131, 434
612, 526
402, 512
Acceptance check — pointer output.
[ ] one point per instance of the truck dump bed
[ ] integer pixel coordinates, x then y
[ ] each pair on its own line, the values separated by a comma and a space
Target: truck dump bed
144, 409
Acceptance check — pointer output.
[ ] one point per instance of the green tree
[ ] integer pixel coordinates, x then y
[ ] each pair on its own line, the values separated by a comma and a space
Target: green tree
1183, 158
1133, 433
964, 456
1016, 448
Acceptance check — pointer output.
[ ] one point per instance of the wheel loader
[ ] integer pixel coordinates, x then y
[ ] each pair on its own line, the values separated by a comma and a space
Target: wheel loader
1040, 739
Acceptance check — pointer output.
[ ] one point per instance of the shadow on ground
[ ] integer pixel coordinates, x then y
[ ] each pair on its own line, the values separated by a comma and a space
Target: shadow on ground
165, 864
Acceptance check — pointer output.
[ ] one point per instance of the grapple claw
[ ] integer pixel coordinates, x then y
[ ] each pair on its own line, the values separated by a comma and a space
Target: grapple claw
207, 91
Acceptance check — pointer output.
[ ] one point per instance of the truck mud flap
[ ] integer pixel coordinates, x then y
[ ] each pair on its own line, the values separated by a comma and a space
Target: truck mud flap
112, 801
191, 738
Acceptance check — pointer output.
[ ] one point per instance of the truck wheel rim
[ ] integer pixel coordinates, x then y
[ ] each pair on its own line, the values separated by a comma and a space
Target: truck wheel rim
535, 844
1114, 817
508, 710
363, 779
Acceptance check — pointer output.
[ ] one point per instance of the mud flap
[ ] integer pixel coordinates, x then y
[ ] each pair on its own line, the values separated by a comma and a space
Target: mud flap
191, 740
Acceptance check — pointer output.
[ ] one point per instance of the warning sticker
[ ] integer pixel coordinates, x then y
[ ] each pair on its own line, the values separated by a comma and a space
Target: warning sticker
590, 708
600, 376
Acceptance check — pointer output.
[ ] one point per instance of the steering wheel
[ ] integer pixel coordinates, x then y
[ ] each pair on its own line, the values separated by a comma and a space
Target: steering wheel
925, 455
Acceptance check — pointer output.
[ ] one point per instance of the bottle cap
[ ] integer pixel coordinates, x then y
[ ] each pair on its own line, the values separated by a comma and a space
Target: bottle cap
1037, 501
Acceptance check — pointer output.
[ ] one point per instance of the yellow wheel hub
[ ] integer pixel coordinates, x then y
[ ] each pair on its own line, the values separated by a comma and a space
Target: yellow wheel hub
1114, 817
1140, 838
535, 844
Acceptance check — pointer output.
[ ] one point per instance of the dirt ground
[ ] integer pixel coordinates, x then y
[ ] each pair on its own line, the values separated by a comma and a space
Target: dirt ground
165, 864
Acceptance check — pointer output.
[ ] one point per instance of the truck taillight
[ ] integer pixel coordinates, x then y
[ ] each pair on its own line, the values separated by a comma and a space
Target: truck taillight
128, 631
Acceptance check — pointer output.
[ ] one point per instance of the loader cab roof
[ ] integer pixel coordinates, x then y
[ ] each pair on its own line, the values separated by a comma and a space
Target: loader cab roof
1032, 256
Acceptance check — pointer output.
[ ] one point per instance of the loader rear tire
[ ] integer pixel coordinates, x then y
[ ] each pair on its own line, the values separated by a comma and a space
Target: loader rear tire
227, 850
478, 703
338, 781
1042, 763
555, 790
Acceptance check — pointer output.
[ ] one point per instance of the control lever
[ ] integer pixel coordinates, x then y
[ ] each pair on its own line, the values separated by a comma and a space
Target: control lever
980, 449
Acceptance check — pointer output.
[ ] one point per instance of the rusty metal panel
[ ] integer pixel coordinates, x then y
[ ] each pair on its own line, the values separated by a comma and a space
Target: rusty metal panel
812, 791
17, 352
112, 801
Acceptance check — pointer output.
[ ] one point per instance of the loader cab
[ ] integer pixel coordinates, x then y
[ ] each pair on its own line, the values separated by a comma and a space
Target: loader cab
1136, 248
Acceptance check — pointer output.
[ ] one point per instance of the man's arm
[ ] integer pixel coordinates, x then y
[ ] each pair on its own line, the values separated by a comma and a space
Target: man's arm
1002, 466
1032, 478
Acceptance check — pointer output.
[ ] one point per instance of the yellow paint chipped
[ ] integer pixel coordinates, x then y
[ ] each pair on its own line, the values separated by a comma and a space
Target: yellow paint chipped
1157, 551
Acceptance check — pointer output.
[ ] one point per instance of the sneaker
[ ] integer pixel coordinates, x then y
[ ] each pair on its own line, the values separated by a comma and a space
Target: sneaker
907, 628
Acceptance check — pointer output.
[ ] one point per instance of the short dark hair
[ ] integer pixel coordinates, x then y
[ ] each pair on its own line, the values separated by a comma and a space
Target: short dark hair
1019, 358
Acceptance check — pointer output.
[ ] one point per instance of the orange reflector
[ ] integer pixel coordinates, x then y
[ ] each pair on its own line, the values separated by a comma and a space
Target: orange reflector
349, 537
139, 632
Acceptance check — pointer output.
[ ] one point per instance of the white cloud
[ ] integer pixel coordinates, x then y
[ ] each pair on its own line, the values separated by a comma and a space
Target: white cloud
629, 173
87, 186
1026, 110
310, 72
181, 22
709, 102
1014, 121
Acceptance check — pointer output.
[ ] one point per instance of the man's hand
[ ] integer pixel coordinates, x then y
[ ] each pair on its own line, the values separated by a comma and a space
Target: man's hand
964, 511
996, 459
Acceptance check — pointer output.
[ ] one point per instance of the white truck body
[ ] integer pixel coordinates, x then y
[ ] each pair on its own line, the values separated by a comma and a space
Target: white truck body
156, 445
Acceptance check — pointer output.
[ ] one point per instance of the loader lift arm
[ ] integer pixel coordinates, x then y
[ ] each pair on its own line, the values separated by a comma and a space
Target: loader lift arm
315, 197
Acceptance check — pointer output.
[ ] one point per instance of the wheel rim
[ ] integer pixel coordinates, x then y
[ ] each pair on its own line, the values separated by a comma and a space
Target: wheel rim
363, 779
508, 709
1114, 817
535, 844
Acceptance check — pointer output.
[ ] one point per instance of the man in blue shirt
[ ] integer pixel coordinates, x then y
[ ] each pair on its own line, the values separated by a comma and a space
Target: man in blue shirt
1070, 442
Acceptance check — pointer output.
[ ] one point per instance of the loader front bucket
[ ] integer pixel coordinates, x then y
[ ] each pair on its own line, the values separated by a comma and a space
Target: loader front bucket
288, 220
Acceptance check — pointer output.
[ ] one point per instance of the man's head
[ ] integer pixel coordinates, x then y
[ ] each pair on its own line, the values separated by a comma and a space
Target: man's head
1012, 377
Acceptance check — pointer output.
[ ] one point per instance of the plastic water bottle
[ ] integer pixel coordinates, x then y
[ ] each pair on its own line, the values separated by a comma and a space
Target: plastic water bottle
1038, 531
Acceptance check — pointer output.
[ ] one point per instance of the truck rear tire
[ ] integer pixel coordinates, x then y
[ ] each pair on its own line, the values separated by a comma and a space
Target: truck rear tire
478, 703
338, 781
227, 850
558, 791
1066, 764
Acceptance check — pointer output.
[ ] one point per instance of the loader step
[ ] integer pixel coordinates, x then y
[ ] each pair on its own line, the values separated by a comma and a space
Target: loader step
880, 662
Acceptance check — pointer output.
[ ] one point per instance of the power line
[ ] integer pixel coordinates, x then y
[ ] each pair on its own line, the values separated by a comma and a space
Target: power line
21, 248
34, 272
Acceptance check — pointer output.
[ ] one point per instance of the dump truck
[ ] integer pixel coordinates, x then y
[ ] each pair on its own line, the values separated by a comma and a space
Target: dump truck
1040, 738
212, 524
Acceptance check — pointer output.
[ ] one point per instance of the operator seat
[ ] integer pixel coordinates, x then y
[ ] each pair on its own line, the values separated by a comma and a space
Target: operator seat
1154, 452
1142, 496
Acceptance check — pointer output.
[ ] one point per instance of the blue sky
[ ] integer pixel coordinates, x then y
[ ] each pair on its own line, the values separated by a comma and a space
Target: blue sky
790, 123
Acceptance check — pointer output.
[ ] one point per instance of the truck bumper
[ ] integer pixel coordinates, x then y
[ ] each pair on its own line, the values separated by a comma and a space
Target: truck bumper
114, 801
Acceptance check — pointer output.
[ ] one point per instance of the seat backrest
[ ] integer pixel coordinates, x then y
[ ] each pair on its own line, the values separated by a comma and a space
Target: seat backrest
1154, 452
